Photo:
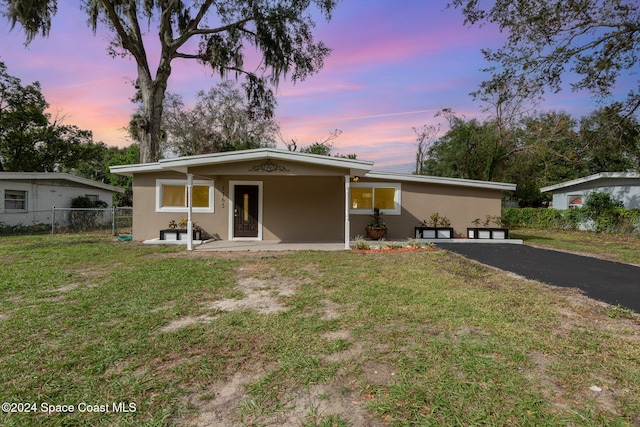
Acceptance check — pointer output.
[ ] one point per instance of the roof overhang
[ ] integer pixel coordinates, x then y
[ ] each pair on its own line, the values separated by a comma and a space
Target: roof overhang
58, 176
502, 186
184, 164
591, 178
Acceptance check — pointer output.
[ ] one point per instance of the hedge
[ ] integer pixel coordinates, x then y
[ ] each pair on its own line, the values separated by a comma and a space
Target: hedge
618, 220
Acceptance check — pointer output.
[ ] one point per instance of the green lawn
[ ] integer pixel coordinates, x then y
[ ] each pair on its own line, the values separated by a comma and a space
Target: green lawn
300, 339
608, 246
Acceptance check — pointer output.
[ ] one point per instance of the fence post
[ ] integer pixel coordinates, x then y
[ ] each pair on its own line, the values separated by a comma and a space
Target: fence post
113, 220
53, 219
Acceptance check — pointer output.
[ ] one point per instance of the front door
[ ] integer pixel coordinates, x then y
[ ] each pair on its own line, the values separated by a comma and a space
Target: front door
245, 212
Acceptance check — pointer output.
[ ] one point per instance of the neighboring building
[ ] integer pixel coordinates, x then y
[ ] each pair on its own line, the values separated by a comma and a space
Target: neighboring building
270, 194
622, 186
29, 197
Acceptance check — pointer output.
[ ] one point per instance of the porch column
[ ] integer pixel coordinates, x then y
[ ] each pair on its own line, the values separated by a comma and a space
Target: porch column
189, 212
347, 225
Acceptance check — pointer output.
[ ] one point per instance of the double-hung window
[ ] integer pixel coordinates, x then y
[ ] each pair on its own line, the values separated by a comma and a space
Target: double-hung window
15, 200
367, 196
172, 196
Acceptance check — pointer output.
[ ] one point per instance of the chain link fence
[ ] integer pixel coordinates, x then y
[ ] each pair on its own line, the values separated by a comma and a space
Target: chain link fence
116, 221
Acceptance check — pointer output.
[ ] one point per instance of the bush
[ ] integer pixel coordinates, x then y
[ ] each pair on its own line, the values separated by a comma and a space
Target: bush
85, 220
600, 214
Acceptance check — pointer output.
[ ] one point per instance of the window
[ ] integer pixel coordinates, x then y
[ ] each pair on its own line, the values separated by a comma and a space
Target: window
171, 196
575, 201
365, 196
15, 200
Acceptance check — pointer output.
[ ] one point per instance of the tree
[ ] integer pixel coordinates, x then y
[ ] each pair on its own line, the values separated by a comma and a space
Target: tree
122, 156
425, 137
22, 116
30, 141
220, 121
549, 151
612, 142
280, 31
599, 40
467, 150
321, 147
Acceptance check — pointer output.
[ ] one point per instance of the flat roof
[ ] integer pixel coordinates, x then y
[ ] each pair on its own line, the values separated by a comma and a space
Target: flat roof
57, 176
356, 167
441, 180
590, 178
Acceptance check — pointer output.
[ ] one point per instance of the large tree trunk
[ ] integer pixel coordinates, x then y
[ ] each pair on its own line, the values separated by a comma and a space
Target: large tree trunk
153, 93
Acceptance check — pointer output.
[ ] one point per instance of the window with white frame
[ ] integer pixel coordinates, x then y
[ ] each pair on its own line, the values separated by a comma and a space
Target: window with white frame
366, 196
172, 196
574, 201
15, 200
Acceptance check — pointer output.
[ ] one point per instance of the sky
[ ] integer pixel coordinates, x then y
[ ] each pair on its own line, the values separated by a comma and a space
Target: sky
393, 66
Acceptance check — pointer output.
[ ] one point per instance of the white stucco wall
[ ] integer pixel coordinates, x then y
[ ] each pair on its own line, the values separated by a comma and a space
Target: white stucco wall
628, 193
42, 196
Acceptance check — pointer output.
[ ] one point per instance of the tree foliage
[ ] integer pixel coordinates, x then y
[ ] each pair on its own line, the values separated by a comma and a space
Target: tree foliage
30, 139
598, 40
281, 33
221, 120
537, 150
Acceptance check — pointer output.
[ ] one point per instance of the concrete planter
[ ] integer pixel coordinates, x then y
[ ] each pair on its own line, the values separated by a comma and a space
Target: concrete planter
171, 234
434, 232
487, 233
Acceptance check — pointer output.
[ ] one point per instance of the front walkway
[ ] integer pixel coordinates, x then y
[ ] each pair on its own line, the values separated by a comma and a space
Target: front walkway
276, 245
267, 245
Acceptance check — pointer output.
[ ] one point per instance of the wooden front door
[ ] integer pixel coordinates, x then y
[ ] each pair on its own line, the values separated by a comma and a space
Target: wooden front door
245, 212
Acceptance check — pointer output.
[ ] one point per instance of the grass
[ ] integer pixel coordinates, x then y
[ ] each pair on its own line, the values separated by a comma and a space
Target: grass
417, 338
622, 248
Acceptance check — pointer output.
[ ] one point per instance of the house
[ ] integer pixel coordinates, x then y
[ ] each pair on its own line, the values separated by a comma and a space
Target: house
623, 186
29, 197
271, 194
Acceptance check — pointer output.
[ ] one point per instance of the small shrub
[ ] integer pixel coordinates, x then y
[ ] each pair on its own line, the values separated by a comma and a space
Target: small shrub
395, 245
415, 244
360, 244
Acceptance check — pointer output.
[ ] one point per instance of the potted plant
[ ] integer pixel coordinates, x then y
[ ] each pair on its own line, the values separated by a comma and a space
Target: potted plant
437, 227
487, 232
377, 228
178, 230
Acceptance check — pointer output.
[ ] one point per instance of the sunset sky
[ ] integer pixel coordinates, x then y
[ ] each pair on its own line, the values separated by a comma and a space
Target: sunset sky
394, 65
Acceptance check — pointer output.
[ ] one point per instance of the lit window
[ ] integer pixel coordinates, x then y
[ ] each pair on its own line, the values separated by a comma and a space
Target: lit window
172, 196
200, 196
385, 198
365, 196
14, 199
361, 198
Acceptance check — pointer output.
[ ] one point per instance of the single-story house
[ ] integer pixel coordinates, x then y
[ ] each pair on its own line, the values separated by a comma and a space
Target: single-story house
272, 194
29, 197
622, 186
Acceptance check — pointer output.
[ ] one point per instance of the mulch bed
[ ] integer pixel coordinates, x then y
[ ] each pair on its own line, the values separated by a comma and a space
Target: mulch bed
392, 250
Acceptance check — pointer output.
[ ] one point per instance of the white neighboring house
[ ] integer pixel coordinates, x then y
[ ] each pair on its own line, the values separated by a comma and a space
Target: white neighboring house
622, 186
29, 197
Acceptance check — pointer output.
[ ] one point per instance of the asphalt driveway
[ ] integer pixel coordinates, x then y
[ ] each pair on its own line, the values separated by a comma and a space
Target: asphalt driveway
612, 282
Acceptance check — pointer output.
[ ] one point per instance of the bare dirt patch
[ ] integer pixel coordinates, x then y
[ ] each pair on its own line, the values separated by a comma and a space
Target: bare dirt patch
185, 321
261, 296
